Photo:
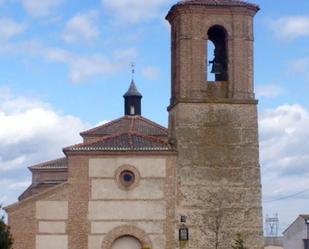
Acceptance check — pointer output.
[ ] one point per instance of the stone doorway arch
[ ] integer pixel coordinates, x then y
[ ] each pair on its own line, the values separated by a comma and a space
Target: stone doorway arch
132, 233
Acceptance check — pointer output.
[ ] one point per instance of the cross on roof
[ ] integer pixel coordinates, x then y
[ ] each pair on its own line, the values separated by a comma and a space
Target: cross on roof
133, 69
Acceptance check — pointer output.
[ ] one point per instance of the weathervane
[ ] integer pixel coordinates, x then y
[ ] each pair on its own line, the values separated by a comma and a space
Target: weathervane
133, 69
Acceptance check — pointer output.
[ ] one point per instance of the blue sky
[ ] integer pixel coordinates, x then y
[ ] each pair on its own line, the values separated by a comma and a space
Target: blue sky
64, 66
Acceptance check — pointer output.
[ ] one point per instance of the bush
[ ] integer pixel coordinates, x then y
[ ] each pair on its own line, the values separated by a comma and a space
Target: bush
239, 242
6, 240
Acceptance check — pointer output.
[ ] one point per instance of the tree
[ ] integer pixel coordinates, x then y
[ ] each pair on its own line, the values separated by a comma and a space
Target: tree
239, 242
6, 240
214, 218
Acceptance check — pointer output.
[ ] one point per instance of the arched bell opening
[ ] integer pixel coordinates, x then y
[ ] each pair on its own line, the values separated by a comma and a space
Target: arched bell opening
217, 53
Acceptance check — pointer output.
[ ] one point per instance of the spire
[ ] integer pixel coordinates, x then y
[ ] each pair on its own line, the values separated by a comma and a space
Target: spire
132, 91
132, 98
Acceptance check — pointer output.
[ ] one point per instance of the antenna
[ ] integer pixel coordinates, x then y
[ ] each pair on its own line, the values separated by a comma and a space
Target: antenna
272, 226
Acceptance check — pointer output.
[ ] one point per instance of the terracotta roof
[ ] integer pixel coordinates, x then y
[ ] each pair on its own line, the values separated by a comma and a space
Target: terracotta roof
38, 188
127, 141
124, 124
61, 163
132, 91
223, 3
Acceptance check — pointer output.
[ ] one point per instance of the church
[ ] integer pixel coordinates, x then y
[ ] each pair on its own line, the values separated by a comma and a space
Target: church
133, 184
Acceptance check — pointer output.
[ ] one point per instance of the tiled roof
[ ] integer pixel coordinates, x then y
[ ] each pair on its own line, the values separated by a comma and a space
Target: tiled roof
61, 163
225, 3
137, 124
132, 91
35, 189
127, 141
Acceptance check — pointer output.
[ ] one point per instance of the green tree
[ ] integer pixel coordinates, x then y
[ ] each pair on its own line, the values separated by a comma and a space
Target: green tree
239, 242
6, 240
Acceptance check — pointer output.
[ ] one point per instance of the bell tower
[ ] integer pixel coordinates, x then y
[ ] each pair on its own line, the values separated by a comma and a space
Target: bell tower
214, 123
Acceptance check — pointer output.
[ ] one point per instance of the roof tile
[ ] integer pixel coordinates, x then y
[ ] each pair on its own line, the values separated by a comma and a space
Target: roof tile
128, 124
128, 141
61, 163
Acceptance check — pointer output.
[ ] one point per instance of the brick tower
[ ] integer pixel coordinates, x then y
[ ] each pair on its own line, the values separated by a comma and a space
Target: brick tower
214, 123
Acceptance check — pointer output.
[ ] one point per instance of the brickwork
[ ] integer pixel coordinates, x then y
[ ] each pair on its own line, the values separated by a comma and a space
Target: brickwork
79, 192
190, 25
126, 230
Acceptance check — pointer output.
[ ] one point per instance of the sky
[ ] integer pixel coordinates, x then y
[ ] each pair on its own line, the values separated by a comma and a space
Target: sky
64, 66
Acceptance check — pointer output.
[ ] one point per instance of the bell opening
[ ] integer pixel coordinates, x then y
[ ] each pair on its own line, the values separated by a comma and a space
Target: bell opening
210, 55
217, 54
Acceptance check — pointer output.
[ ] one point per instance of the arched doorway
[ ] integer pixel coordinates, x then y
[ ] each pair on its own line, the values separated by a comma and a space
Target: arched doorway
126, 242
122, 236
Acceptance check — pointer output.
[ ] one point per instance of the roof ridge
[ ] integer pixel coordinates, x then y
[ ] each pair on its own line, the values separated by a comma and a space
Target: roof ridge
132, 123
130, 140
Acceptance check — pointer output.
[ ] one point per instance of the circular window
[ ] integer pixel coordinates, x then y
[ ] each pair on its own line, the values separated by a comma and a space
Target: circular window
127, 177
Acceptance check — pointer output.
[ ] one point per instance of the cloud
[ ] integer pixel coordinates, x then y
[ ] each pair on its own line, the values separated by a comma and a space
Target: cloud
284, 152
133, 11
31, 131
290, 27
10, 28
84, 67
269, 90
81, 27
41, 8
150, 73
81, 67
19, 185
284, 149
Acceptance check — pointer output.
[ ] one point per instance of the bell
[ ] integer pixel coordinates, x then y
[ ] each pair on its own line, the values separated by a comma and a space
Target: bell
217, 68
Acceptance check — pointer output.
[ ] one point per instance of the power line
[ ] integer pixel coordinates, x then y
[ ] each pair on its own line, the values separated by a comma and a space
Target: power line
287, 197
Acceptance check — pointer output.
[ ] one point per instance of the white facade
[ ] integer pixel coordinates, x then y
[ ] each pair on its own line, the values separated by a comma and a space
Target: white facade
294, 235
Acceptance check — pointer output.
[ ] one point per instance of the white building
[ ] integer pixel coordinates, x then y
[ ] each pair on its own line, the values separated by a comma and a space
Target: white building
296, 235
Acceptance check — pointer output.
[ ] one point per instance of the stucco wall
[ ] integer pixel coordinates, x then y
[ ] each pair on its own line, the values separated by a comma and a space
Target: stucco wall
144, 206
39, 222
294, 235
